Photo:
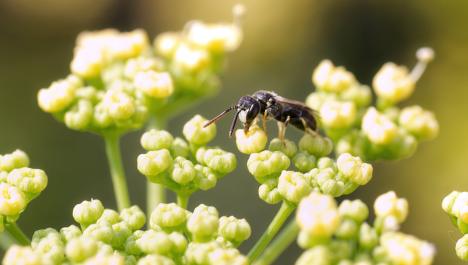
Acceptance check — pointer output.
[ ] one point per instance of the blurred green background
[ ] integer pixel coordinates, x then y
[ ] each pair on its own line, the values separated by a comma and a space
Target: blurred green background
284, 41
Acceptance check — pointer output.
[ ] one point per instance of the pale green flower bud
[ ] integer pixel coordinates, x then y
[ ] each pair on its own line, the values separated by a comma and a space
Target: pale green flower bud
355, 143
360, 95
197, 253
154, 84
179, 243
214, 37
393, 83
287, 147
267, 163
179, 147
268, 192
21, 255
81, 248
12, 200
338, 115
326, 162
459, 206
51, 249
28, 180
153, 140
80, 115
119, 105
354, 169
328, 184
227, 257
109, 216
449, 201
59, 95
203, 223
168, 216
251, 142
293, 186
205, 178
315, 145
316, 99
141, 64
87, 62
378, 127
101, 117
407, 250
166, 43
233, 229
319, 255
317, 215
190, 59
152, 242
70, 232
218, 160
304, 162
131, 246
461, 248
183, 171
356, 210
134, 217
419, 122
17, 159
388, 204
88, 212
111, 259
348, 229
368, 237
122, 231
154, 163
330, 78
196, 134
155, 259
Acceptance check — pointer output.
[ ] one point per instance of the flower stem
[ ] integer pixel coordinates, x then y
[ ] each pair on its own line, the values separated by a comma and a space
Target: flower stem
15, 232
279, 245
281, 216
119, 181
182, 200
155, 193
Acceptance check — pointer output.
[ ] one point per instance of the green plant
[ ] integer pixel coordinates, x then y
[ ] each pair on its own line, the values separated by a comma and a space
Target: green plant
119, 82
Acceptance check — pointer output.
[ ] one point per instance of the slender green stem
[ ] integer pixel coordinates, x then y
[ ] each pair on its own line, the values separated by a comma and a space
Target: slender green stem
182, 200
15, 232
281, 216
117, 171
155, 193
279, 245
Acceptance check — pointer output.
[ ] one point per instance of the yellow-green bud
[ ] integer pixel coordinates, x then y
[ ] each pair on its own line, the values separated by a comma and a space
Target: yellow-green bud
348, 229
251, 142
197, 253
356, 210
315, 145
59, 95
449, 201
190, 59
419, 122
122, 231
319, 255
368, 237
119, 105
227, 257
293, 186
183, 171
360, 95
338, 115
406, 250
215, 37
155, 259
109, 259
286, 146
354, 169
330, 78
80, 115
87, 62
166, 43
131, 246
17, 159
461, 248
304, 162
168, 216
218, 160
203, 223
205, 178
70, 232
393, 83
196, 134
153, 140
141, 64
109, 216
81, 248
88, 212
233, 229
134, 217
28, 180
22, 255
267, 163
154, 84
100, 232
48, 243
179, 243
179, 147
388, 204
152, 242
378, 127
268, 192
154, 163
12, 200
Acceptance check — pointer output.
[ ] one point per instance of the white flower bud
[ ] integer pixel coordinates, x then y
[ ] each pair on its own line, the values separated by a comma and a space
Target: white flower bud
378, 127
388, 204
154, 84
190, 59
216, 37
119, 105
337, 115
419, 122
393, 83
407, 250
59, 95
330, 78
251, 142
12, 200
166, 43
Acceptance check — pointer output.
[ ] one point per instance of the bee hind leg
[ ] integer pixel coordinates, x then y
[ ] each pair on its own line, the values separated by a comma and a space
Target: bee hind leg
282, 129
309, 130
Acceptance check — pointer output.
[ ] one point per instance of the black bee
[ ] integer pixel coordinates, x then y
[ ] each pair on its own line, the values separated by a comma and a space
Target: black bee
271, 106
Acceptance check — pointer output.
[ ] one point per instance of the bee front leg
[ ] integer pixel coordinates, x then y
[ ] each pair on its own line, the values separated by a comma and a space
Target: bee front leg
264, 118
282, 129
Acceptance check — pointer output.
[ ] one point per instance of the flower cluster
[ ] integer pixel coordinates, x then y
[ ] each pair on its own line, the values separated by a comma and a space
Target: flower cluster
313, 169
119, 79
19, 185
334, 234
104, 236
185, 166
456, 206
382, 132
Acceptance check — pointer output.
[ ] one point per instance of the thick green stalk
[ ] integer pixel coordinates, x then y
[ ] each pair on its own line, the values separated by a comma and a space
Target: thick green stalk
182, 200
281, 216
155, 193
15, 232
279, 245
117, 171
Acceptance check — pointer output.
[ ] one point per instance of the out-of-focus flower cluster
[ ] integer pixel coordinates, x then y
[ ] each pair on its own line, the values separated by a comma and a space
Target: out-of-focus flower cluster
19, 185
385, 131
456, 206
185, 166
313, 170
104, 236
119, 79
333, 234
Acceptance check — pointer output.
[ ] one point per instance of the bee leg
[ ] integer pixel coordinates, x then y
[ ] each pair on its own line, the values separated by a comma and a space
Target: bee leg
307, 129
282, 129
264, 118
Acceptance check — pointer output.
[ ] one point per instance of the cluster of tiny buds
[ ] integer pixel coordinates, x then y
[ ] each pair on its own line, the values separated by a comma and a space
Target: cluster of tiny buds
372, 133
19, 185
333, 234
104, 236
185, 165
456, 206
118, 79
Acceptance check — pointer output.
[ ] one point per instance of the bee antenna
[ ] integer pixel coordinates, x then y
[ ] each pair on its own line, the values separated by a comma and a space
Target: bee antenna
219, 116
233, 124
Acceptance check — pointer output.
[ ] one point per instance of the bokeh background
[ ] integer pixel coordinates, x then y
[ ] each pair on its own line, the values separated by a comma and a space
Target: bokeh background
284, 41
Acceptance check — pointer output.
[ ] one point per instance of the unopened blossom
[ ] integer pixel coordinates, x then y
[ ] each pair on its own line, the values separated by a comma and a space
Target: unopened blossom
393, 83
419, 122
378, 127
328, 77
251, 142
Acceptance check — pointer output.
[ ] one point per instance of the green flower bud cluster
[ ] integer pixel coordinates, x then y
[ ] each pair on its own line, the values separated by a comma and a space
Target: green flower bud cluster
118, 79
358, 128
104, 236
455, 205
185, 165
19, 185
333, 234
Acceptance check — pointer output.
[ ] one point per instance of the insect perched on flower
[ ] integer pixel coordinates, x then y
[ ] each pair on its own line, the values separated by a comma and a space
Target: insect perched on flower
271, 106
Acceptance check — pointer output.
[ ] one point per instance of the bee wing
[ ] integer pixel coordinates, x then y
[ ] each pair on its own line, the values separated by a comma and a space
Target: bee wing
298, 104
